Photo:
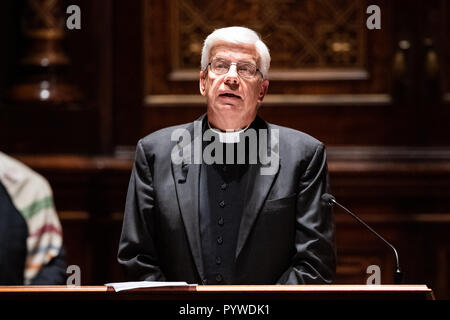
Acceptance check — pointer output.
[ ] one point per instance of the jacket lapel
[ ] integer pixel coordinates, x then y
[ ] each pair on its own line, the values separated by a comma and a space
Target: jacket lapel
257, 190
186, 178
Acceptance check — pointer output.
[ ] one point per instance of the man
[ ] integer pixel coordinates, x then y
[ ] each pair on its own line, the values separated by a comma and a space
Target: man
31, 249
228, 219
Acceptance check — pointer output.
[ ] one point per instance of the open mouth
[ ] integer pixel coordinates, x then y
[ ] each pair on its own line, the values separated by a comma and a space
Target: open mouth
229, 95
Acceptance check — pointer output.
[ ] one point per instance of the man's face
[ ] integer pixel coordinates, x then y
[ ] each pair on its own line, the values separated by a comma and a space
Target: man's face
231, 99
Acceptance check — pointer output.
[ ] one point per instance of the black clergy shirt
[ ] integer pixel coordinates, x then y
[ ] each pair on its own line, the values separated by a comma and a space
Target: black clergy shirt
222, 196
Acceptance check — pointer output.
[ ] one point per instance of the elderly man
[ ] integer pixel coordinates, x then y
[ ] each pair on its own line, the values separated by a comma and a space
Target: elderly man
212, 215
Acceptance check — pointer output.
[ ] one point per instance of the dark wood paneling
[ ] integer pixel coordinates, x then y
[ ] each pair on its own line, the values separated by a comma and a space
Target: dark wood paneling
128, 71
124, 53
124, 61
412, 114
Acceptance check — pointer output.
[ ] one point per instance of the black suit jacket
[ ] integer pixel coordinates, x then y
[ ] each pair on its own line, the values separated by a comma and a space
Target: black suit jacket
286, 234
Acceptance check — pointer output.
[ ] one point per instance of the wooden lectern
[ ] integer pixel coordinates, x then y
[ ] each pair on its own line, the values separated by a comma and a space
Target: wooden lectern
222, 293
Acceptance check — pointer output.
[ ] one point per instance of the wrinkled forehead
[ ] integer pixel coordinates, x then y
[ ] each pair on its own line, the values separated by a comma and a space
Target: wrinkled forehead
233, 51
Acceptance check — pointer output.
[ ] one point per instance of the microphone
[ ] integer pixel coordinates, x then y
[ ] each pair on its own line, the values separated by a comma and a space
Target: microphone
398, 275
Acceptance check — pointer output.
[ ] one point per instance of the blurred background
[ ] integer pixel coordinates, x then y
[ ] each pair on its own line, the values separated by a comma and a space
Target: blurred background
74, 103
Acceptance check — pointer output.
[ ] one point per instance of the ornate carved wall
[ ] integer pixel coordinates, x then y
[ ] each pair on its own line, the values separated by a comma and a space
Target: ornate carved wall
304, 36
322, 56
308, 40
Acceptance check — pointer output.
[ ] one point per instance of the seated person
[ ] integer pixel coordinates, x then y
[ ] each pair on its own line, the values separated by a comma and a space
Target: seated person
31, 250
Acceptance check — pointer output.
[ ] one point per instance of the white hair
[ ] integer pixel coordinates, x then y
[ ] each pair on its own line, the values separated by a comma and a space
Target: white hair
237, 35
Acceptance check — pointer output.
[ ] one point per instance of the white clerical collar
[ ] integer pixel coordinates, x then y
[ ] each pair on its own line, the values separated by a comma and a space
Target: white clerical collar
228, 136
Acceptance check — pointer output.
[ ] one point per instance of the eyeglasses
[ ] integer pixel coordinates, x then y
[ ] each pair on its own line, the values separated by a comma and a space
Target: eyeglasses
243, 69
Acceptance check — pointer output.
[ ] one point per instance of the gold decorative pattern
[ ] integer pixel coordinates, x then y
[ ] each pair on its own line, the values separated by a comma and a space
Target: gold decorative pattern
309, 34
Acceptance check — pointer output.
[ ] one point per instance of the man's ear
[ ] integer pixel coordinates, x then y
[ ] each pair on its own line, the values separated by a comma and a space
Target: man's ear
202, 83
263, 90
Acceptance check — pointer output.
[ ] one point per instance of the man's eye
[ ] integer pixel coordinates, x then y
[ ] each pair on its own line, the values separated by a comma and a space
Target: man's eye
221, 64
244, 68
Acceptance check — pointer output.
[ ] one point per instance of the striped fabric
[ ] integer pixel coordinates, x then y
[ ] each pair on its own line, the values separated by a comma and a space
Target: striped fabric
33, 198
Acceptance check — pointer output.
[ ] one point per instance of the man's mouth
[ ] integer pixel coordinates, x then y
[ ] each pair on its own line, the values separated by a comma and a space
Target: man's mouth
229, 95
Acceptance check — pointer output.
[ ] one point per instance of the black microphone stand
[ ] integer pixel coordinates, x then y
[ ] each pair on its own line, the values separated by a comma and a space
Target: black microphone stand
398, 274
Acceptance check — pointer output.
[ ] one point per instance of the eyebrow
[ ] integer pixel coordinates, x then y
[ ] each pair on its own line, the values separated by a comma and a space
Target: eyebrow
239, 61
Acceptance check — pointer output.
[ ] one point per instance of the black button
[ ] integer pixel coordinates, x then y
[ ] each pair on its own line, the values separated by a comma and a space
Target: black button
218, 260
223, 186
219, 240
220, 221
222, 204
224, 168
219, 278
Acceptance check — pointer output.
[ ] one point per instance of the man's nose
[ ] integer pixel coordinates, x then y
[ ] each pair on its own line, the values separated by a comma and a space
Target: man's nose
232, 77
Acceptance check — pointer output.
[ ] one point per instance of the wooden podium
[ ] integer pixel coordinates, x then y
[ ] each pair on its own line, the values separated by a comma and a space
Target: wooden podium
222, 293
